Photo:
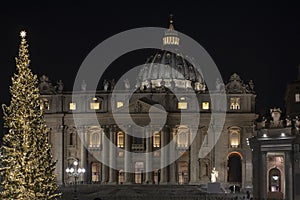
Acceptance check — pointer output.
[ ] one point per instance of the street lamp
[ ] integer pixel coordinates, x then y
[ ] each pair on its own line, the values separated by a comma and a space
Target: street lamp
76, 172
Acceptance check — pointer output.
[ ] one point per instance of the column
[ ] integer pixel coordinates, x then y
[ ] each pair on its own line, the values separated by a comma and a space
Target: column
172, 156
83, 152
163, 157
127, 159
58, 150
288, 176
105, 154
112, 155
149, 145
194, 170
263, 175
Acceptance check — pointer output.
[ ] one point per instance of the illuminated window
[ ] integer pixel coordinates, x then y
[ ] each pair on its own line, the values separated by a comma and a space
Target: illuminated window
120, 153
120, 140
171, 40
182, 137
182, 105
234, 134
297, 97
96, 172
44, 104
274, 180
156, 140
121, 176
72, 106
95, 104
205, 105
120, 104
235, 103
95, 139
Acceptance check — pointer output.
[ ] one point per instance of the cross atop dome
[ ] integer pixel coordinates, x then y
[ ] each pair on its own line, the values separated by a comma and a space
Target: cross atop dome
171, 26
171, 35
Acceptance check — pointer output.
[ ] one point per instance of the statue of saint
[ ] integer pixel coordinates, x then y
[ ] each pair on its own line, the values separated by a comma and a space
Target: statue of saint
83, 85
214, 175
127, 84
105, 85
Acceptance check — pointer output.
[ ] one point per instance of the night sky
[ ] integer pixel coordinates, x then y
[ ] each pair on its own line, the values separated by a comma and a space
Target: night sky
259, 42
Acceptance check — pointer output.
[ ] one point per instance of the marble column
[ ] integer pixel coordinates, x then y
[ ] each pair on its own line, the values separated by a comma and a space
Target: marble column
172, 156
59, 155
112, 155
164, 157
83, 153
288, 176
149, 145
194, 160
105, 154
263, 175
127, 160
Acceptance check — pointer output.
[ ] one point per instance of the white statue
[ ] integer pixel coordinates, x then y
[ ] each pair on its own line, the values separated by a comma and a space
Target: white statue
127, 84
83, 85
214, 175
105, 85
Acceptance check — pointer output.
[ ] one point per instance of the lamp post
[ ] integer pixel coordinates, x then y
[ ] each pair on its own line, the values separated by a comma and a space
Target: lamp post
76, 172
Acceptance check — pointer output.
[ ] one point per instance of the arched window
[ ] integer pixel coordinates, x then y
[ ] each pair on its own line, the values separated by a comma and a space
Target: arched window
234, 137
274, 180
95, 140
235, 103
234, 166
156, 140
120, 140
93, 136
182, 137
121, 176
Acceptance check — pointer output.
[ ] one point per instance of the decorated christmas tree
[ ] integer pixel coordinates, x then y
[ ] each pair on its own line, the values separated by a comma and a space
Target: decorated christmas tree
27, 170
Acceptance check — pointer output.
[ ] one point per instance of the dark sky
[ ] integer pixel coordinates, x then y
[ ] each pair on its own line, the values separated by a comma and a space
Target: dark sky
258, 41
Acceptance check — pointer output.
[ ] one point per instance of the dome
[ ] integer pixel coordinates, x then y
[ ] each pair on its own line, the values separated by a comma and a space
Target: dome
170, 69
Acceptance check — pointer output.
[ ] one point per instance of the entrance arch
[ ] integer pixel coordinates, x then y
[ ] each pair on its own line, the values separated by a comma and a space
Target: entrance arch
275, 180
234, 167
139, 168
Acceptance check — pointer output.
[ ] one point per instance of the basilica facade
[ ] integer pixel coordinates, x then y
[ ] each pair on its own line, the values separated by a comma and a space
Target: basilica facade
231, 156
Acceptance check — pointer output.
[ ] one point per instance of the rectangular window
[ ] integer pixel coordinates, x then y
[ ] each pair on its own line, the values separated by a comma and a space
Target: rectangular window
182, 105
72, 106
205, 105
44, 104
120, 104
94, 105
156, 140
235, 103
297, 97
